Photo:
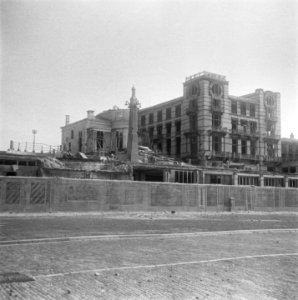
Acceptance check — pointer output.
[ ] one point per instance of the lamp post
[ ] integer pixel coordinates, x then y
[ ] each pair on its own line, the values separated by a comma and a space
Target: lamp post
34, 131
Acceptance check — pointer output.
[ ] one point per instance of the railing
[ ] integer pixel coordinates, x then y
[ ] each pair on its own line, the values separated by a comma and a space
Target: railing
271, 117
272, 136
206, 74
34, 148
219, 129
239, 131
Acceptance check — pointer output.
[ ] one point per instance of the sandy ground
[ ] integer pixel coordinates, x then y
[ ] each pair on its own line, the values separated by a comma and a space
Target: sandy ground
150, 256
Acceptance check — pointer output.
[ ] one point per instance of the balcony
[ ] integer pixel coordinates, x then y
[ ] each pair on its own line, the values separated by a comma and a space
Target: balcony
244, 132
218, 129
271, 117
240, 156
271, 137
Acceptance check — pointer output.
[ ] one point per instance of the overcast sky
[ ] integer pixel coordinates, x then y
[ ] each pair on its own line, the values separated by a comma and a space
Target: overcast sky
66, 57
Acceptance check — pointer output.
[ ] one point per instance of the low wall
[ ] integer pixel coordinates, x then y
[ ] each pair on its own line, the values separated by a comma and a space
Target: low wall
64, 194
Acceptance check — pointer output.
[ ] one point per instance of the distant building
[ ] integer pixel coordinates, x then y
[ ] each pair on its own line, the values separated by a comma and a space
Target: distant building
289, 149
104, 133
208, 124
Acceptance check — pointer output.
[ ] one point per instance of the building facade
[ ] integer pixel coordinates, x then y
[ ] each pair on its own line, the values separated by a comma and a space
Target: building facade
207, 123
289, 149
101, 134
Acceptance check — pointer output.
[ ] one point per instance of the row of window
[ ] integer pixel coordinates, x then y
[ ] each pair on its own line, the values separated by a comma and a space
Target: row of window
30, 163
244, 125
159, 128
159, 115
246, 109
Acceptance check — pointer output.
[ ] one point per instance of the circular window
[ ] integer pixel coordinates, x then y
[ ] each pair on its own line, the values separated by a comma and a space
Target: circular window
216, 89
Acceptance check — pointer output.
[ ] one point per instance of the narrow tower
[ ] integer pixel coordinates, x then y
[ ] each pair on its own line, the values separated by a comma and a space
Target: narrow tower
132, 144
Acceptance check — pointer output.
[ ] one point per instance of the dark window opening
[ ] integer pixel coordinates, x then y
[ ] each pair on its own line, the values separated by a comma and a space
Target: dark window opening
234, 107
234, 124
216, 143
243, 147
178, 146
216, 120
178, 111
169, 146
178, 127
159, 130
150, 118
99, 139
234, 146
168, 129
252, 109
168, 113
243, 108
143, 120
159, 116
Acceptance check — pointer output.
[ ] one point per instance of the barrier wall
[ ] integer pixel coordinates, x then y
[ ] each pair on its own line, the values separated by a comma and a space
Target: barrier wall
62, 194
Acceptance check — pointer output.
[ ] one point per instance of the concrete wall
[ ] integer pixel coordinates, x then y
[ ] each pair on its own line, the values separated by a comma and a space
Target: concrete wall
62, 194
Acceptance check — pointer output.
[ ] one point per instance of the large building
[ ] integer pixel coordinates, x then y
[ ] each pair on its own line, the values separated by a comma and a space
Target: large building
207, 123
104, 133
205, 126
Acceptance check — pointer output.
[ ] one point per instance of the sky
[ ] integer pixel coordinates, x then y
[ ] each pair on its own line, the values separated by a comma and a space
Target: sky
65, 57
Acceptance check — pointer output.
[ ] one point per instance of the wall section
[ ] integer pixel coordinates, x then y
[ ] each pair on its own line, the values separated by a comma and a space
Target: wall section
31, 194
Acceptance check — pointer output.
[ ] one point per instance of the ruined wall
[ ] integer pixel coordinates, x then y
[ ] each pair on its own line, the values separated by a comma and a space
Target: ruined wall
65, 194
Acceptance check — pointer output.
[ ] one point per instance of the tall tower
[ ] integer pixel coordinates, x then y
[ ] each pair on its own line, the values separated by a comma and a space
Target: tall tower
132, 143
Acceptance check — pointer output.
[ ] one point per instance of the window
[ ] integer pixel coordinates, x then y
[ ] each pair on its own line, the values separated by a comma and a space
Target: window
216, 143
159, 130
159, 116
168, 129
243, 109
194, 90
216, 89
234, 124
252, 110
253, 147
178, 127
178, 111
234, 107
243, 124
80, 141
216, 103
178, 145
71, 134
169, 146
143, 120
99, 139
192, 123
150, 132
235, 146
243, 147
168, 113
253, 127
193, 104
69, 147
150, 118
216, 120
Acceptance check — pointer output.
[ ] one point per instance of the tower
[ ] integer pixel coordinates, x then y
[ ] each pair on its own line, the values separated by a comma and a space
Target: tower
132, 143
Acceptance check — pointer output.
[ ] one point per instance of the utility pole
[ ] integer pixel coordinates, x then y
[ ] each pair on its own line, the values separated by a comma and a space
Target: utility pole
34, 131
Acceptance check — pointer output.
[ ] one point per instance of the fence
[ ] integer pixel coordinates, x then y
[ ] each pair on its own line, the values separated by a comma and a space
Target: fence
62, 194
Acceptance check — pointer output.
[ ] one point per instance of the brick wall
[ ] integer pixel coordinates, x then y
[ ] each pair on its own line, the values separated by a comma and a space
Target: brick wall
65, 194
